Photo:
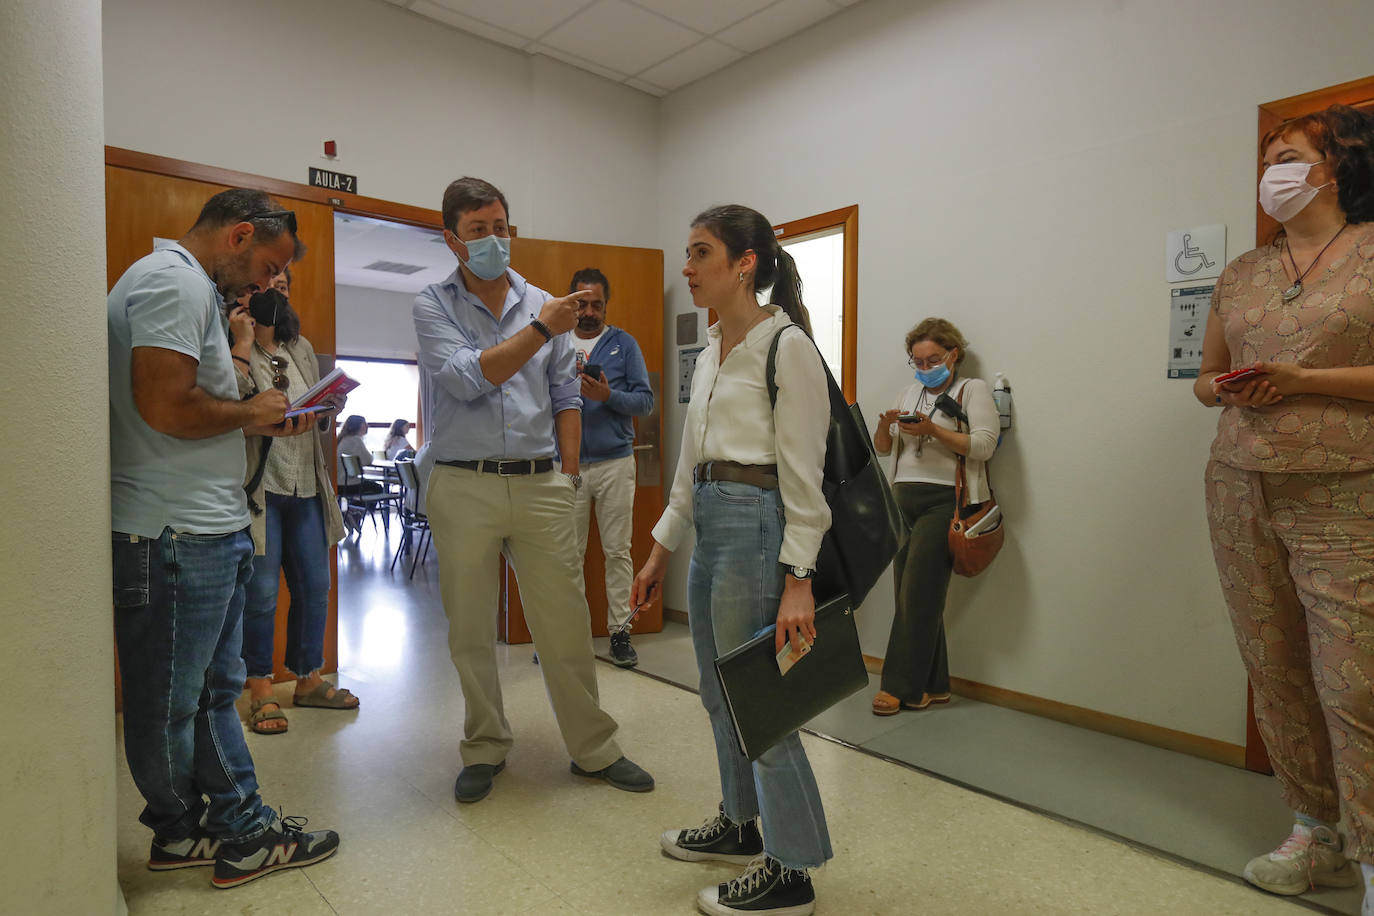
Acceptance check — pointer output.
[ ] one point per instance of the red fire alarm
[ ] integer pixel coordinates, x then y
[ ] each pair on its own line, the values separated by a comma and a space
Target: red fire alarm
331, 148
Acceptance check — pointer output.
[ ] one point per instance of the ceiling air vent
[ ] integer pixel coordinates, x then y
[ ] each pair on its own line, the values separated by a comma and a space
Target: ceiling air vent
394, 267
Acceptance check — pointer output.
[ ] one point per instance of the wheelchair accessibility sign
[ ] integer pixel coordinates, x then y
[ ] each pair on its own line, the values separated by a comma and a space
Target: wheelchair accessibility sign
1198, 253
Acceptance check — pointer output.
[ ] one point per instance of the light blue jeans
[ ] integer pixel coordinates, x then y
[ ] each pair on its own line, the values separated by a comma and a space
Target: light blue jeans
733, 588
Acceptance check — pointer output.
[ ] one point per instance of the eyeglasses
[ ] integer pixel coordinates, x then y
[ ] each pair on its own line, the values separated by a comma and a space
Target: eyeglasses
288, 215
927, 363
279, 365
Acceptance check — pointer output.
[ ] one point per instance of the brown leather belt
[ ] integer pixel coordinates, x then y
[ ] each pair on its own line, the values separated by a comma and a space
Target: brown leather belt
763, 476
506, 467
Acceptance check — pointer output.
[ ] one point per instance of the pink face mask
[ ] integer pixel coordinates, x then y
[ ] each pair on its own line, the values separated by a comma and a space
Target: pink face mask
1284, 191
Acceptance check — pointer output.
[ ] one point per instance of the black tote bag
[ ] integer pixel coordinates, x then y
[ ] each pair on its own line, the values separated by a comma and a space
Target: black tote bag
866, 525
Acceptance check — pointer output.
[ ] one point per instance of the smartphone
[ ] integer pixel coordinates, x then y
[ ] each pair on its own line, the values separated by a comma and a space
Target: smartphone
592, 369
910, 418
1236, 376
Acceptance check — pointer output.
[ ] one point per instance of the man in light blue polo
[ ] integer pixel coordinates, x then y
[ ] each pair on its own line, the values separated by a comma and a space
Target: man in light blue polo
180, 542
498, 366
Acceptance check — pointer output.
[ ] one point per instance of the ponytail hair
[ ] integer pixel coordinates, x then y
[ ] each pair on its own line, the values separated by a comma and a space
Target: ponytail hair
741, 229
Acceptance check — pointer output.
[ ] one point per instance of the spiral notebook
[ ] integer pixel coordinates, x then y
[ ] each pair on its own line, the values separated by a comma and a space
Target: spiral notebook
767, 706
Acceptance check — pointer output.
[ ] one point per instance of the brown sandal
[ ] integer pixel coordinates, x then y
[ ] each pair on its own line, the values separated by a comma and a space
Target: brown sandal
258, 715
320, 698
885, 704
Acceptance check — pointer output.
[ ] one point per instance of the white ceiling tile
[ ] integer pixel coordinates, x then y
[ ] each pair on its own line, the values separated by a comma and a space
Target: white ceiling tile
531, 18
622, 37
775, 23
707, 16
646, 87
468, 24
692, 64
578, 62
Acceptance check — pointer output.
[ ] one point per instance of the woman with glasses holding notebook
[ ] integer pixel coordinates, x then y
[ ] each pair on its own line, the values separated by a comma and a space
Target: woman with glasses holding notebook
748, 483
295, 515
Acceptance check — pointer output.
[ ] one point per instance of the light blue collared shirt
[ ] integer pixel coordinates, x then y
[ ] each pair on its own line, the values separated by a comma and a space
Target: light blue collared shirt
470, 418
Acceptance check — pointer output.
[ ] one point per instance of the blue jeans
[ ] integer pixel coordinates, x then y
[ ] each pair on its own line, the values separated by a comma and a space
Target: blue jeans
178, 612
295, 544
733, 589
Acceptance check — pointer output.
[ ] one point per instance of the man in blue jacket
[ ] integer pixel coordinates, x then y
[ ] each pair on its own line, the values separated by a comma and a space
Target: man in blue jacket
615, 389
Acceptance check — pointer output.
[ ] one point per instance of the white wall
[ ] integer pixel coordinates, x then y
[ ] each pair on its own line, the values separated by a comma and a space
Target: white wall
258, 85
374, 322
1016, 167
57, 731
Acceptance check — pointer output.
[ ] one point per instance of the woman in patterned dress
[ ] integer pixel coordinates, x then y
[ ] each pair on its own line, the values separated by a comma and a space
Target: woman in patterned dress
1290, 489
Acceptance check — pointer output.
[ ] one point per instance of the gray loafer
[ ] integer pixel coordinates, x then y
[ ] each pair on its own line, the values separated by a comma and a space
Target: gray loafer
623, 774
474, 782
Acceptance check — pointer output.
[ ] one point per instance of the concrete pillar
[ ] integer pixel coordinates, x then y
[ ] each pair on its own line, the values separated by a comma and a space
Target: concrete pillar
57, 725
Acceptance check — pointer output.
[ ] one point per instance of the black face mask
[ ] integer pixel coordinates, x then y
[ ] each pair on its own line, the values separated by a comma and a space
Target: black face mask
266, 307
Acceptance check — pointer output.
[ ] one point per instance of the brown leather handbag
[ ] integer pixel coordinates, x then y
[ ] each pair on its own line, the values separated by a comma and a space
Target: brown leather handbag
975, 533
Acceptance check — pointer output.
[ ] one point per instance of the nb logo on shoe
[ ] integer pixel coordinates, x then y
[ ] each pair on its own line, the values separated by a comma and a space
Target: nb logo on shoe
280, 855
205, 848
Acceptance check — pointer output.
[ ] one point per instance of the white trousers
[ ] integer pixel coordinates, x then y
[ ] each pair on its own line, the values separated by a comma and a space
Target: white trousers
611, 485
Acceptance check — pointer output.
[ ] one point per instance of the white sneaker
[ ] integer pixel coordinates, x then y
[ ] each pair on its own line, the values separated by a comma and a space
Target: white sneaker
1311, 857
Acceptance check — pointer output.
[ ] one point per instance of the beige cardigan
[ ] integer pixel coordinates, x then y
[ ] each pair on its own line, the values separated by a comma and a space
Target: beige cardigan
260, 379
982, 411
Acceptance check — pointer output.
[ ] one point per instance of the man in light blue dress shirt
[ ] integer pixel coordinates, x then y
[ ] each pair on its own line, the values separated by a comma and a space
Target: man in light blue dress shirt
504, 406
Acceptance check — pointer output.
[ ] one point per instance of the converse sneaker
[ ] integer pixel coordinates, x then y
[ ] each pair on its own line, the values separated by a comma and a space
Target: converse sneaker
767, 886
719, 839
622, 653
283, 845
1311, 857
197, 849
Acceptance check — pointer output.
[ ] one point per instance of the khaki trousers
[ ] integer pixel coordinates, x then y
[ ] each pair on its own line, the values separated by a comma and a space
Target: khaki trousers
611, 485
1295, 553
474, 516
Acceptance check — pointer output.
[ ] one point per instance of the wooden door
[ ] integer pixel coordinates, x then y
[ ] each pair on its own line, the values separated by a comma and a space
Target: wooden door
1357, 94
142, 204
636, 306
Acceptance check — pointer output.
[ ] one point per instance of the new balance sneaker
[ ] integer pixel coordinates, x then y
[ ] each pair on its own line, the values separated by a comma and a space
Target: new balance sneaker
719, 839
197, 849
767, 886
622, 653
1311, 857
283, 845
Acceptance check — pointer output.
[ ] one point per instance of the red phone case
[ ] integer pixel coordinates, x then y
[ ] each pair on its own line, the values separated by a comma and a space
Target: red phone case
1236, 375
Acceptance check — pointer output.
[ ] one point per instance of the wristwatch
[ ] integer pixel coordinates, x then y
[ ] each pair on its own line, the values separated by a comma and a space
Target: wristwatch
800, 572
576, 480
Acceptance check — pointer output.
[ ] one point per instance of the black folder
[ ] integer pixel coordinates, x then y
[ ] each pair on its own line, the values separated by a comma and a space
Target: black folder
766, 706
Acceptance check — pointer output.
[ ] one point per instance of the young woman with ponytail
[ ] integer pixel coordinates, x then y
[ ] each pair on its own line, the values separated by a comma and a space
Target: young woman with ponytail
748, 482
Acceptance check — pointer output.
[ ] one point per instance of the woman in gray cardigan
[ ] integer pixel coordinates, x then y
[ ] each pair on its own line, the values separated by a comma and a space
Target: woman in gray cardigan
295, 514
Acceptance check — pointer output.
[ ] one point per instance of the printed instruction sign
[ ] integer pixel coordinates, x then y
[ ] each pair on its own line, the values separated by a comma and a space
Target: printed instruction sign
686, 368
1188, 307
1198, 253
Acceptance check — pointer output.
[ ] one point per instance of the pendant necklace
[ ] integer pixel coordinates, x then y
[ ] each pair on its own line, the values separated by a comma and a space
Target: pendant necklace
1295, 290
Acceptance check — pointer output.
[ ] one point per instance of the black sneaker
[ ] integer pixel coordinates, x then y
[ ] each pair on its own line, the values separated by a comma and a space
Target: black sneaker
197, 849
719, 839
767, 886
622, 653
283, 845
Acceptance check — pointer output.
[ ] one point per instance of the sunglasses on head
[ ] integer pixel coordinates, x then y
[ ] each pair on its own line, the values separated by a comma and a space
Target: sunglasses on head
288, 215
279, 364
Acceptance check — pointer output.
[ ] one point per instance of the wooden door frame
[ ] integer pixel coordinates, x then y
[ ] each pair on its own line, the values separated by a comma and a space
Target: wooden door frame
846, 218
1271, 115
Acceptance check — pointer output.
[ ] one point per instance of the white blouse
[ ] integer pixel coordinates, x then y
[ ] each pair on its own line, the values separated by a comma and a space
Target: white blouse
934, 462
730, 419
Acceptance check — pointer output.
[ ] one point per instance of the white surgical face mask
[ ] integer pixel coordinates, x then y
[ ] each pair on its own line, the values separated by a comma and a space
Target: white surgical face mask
1284, 191
489, 256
